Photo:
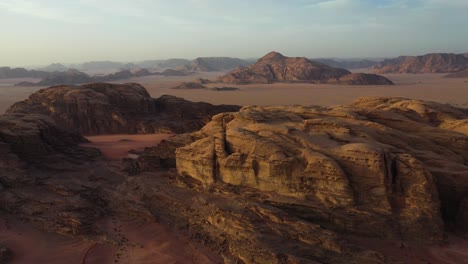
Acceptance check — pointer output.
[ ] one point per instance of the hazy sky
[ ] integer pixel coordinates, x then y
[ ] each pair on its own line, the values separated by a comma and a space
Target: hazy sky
43, 31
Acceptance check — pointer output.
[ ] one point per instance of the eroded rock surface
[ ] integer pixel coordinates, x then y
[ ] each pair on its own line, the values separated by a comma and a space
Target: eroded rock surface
118, 108
380, 167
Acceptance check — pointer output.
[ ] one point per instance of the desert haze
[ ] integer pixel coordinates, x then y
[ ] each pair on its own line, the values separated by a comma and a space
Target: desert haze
233, 132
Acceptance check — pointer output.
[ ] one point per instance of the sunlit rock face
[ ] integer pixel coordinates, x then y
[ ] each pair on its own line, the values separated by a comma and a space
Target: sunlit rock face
380, 166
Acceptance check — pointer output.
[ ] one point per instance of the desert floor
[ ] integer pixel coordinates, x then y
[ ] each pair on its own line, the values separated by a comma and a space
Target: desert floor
138, 242
432, 87
116, 147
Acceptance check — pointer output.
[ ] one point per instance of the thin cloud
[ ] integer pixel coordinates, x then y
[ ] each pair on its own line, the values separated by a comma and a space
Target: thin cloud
38, 10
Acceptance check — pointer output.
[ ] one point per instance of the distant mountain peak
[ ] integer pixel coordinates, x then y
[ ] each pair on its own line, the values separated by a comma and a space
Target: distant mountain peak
273, 55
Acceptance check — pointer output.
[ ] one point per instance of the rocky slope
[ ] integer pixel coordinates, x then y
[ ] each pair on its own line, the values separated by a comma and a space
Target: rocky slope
387, 167
117, 108
275, 67
429, 63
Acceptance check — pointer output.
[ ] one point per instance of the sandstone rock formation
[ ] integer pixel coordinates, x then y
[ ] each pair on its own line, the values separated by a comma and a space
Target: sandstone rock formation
117, 108
275, 67
429, 63
387, 167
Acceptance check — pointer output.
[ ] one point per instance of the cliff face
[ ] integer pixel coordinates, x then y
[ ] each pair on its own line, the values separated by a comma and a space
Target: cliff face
275, 67
378, 158
117, 108
429, 63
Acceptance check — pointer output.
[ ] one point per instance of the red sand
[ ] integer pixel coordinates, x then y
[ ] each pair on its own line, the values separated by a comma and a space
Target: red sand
454, 251
148, 243
116, 147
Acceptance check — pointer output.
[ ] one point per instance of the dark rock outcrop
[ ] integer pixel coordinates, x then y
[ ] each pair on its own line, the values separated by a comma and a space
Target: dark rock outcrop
386, 167
118, 108
275, 67
429, 63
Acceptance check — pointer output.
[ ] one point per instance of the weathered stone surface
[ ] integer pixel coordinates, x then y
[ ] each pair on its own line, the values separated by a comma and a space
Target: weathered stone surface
374, 167
117, 108
275, 67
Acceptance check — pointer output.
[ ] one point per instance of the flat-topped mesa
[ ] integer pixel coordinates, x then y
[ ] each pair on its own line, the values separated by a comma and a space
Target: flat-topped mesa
104, 108
274, 67
383, 159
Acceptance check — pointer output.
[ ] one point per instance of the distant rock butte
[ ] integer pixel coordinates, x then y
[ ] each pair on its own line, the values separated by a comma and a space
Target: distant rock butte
379, 167
117, 108
429, 63
274, 67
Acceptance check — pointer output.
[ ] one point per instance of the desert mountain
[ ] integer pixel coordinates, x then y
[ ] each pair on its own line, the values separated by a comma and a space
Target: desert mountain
171, 63
209, 64
429, 63
274, 67
55, 67
7, 72
348, 64
112, 108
